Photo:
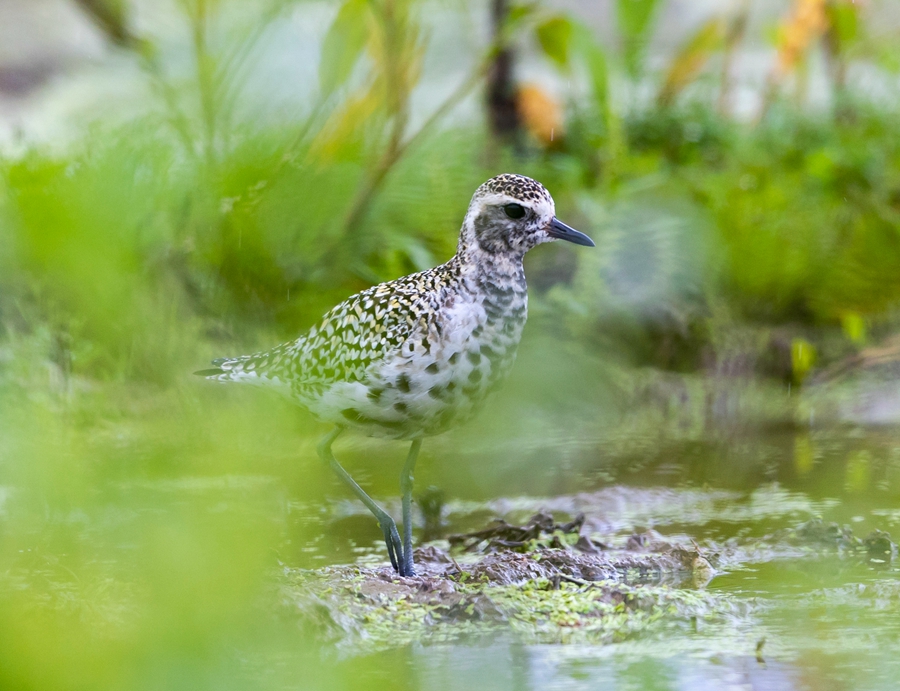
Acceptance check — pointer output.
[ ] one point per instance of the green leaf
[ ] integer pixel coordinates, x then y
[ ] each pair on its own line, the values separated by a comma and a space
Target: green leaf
518, 15
555, 38
844, 20
594, 60
634, 18
590, 53
854, 327
691, 58
803, 357
343, 44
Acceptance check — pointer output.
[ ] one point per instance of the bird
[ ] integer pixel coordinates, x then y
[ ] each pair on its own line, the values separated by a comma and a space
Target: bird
418, 355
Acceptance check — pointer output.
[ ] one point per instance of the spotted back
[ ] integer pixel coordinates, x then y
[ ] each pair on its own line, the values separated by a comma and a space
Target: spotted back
368, 327
417, 355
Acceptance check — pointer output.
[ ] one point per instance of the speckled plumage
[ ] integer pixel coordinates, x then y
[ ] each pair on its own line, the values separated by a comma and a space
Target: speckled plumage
414, 356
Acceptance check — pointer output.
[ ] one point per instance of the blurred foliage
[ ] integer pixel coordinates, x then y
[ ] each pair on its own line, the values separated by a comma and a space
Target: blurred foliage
130, 257
691, 58
635, 21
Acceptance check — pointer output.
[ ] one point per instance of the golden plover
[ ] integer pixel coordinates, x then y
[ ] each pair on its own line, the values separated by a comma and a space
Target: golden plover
415, 356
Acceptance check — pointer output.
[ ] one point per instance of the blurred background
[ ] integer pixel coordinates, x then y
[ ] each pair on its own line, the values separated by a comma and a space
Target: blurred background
188, 179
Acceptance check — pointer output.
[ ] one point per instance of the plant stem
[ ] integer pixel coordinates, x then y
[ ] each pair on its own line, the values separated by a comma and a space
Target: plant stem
501, 88
199, 18
393, 154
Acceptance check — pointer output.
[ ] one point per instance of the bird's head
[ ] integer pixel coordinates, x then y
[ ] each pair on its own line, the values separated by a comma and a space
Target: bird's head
510, 214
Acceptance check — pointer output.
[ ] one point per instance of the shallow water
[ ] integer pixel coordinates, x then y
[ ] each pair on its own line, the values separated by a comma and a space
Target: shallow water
818, 618
171, 538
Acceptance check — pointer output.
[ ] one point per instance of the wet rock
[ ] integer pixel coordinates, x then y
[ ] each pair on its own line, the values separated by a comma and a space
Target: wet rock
647, 541
508, 568
573, 526
380, 589
478, 607
818, 532
542, 580
702, 572
589, 546
545, 599
503, 536
429, 554
879, 546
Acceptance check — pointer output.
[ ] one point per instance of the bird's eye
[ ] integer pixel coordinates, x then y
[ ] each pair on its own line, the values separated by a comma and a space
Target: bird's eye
514, 210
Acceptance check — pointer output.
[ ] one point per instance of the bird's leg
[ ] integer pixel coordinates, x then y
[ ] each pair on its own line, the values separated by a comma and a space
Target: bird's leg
406, 485
388, 527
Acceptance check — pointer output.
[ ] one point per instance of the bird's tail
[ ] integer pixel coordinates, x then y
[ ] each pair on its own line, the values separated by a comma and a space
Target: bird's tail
227, 369
267, 367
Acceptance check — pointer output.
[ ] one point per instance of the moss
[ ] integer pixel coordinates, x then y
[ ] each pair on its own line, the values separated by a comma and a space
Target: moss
537, 595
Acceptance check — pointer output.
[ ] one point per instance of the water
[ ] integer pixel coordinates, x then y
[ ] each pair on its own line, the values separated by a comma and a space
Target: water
151, 547
820, 618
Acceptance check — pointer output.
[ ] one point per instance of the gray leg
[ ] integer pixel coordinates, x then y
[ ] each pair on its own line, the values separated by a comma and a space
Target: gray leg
406, 485
388, 527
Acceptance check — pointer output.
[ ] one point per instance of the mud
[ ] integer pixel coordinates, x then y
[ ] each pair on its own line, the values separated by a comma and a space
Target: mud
547, 581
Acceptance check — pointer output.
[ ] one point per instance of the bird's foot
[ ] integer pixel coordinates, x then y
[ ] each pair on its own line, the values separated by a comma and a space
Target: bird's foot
406, 566
401, 559
394, 545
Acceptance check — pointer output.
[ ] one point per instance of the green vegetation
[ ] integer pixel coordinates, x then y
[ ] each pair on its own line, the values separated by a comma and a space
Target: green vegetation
146, 519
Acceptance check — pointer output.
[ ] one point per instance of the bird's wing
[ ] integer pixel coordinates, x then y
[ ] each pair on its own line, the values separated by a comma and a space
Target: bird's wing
372, 325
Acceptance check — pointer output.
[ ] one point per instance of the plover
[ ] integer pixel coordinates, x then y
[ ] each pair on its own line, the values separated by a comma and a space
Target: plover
413, 357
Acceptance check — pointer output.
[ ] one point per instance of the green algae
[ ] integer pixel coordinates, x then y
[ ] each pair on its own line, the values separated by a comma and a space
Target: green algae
364, 610
606, 612
548, 585
551, 585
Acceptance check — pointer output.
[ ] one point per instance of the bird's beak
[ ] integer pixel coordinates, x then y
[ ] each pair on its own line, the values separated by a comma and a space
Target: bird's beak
558, 229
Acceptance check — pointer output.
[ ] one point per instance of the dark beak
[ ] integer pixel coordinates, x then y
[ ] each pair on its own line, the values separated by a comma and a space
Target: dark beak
560, 230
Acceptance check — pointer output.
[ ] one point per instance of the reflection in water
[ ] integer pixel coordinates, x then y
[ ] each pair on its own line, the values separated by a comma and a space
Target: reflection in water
504, 664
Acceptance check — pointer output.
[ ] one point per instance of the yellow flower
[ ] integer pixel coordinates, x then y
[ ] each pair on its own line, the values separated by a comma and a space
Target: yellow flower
807, 22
